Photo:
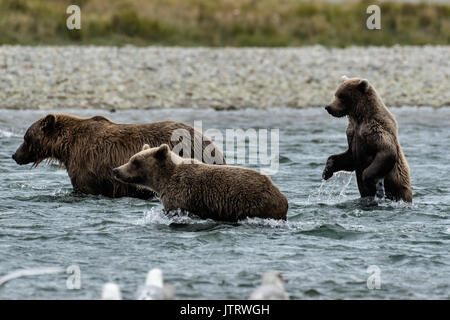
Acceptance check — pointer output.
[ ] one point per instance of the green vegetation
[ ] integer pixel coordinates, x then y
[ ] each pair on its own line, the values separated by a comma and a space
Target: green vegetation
222, 23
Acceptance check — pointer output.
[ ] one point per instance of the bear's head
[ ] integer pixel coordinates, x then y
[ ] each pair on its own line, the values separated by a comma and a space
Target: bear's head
38, 141
148, 168
349, 96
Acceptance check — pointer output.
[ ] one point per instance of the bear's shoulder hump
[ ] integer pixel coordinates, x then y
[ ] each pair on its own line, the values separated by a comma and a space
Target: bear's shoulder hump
99, 118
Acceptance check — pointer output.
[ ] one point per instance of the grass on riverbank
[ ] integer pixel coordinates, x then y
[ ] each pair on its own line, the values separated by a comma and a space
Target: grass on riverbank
222, 23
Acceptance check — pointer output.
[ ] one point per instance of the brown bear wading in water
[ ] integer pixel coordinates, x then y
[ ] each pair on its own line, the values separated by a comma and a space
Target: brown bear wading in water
90, 148
223, 193
374, 151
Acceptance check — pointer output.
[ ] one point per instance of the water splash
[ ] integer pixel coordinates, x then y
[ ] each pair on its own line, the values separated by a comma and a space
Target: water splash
153, 216
333, 190
271, 223
157, 216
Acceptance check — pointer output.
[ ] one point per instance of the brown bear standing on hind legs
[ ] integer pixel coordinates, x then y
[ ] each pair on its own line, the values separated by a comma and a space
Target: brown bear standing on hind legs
374, 151
90, 148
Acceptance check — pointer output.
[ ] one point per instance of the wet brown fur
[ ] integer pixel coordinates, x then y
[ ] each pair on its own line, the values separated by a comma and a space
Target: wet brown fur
90, 148
374, 150
224, 193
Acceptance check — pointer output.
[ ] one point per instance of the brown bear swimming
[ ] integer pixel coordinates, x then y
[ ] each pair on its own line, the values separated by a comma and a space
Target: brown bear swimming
374, 151
223, 193
90, 148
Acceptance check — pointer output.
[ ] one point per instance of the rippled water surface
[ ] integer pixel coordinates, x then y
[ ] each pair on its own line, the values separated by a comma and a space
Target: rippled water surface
324, 249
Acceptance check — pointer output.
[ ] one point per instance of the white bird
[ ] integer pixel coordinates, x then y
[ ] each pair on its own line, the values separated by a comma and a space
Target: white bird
29, 272
272, 287
154, 288
111, 291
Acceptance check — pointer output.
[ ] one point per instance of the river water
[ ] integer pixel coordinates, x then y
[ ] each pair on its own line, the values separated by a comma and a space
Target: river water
324, 249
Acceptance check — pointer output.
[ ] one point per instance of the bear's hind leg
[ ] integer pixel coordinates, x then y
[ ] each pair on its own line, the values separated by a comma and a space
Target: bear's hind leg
366, 188
380, 188
397, 192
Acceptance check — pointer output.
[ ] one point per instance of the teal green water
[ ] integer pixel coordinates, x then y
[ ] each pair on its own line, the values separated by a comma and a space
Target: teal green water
324, 249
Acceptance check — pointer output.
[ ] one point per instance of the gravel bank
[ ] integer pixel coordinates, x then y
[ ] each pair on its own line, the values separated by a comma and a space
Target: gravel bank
163, 77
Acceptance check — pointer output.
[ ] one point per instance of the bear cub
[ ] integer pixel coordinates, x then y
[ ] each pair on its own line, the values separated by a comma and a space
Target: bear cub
223, 193
374, 150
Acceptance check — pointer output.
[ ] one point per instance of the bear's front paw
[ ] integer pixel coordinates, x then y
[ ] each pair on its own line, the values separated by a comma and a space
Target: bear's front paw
328, 171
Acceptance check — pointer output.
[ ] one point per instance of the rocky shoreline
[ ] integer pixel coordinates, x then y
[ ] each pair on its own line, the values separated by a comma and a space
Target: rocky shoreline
221, 78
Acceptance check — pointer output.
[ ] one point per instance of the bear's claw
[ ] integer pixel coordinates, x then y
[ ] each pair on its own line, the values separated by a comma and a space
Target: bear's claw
328, 171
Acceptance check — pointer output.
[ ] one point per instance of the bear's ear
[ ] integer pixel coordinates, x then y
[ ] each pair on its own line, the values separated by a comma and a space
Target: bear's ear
145, 147
48, 123
363, 85
162, 152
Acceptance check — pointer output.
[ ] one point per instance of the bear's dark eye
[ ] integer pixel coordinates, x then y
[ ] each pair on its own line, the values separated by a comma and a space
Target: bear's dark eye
136, 163
344, 98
